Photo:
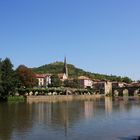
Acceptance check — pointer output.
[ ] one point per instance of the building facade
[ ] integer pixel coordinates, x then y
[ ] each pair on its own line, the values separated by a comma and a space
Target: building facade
118, 84
43, 80
85, 82
104, 87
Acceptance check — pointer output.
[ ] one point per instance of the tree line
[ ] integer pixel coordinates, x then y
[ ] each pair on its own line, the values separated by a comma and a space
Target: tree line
11, 79
24, 78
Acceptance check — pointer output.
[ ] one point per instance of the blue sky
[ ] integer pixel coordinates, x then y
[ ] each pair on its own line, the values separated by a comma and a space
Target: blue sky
100, 36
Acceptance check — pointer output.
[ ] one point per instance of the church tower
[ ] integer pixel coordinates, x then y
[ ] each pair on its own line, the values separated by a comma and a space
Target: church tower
65, 69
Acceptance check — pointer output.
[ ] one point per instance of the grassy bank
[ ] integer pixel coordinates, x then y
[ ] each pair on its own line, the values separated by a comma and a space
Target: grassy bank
16, 98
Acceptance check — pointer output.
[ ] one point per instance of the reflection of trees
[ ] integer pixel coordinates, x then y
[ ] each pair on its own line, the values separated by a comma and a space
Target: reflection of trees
23, 117
19, 118
6, 121
14, 117
60, 115
66, 113
125, 104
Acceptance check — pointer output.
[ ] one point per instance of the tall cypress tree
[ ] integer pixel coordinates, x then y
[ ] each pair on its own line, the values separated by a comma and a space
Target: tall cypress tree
8, 80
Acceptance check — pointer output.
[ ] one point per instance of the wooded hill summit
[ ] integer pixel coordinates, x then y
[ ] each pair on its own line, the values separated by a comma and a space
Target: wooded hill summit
74, 72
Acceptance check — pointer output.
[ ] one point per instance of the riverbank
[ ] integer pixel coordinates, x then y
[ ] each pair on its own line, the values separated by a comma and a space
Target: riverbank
59, 98
16, 98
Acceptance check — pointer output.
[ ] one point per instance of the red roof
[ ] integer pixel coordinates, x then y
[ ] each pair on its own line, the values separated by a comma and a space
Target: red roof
83, 78
42, 75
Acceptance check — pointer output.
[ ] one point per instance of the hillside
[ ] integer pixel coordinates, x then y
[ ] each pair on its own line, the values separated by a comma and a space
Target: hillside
57, 67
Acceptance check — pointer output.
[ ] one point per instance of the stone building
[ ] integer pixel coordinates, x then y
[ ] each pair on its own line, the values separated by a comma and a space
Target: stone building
118, 84
104, 87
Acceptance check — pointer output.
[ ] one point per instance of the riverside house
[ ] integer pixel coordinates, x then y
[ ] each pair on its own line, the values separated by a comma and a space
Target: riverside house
85, 82
43, 80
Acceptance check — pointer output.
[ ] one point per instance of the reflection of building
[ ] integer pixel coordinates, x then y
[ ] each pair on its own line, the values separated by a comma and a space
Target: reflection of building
88, 109
108, 105
43, 79
42, 112
85, 82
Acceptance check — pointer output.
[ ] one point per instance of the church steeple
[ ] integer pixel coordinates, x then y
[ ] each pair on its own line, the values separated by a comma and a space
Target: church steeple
65, 69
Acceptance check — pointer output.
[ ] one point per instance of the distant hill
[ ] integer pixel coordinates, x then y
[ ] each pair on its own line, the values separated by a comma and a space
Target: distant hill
57, 67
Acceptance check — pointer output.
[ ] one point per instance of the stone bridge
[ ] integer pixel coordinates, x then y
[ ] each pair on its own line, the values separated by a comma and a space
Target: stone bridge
126, 91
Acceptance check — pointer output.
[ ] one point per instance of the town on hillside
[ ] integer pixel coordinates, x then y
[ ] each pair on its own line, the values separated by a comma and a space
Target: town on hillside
85, 82
60, 81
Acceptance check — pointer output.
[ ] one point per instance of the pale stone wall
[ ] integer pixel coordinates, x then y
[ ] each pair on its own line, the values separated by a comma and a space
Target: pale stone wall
56, 98
88, 83
40, 81
47, 80
108, 87
44, 81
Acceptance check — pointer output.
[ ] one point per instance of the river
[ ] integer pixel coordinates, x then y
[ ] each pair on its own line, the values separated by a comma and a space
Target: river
98, 119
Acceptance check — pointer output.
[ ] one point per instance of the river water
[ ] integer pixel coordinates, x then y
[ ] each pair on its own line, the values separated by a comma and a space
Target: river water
100, 119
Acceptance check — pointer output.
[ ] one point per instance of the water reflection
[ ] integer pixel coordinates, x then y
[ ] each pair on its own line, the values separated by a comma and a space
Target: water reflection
88, 106
14, 117
108, 105
23, 120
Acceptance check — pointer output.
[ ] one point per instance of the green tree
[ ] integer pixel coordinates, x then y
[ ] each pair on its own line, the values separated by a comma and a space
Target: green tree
74, 83
55, 81
8, 80
126, 80
26, 77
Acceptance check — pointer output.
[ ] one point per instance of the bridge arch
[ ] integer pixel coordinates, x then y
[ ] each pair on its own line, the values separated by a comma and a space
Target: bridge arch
120, 92
116, 92
136, 92
125, 92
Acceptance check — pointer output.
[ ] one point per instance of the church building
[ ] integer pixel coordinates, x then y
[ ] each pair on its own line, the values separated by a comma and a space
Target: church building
64, 76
